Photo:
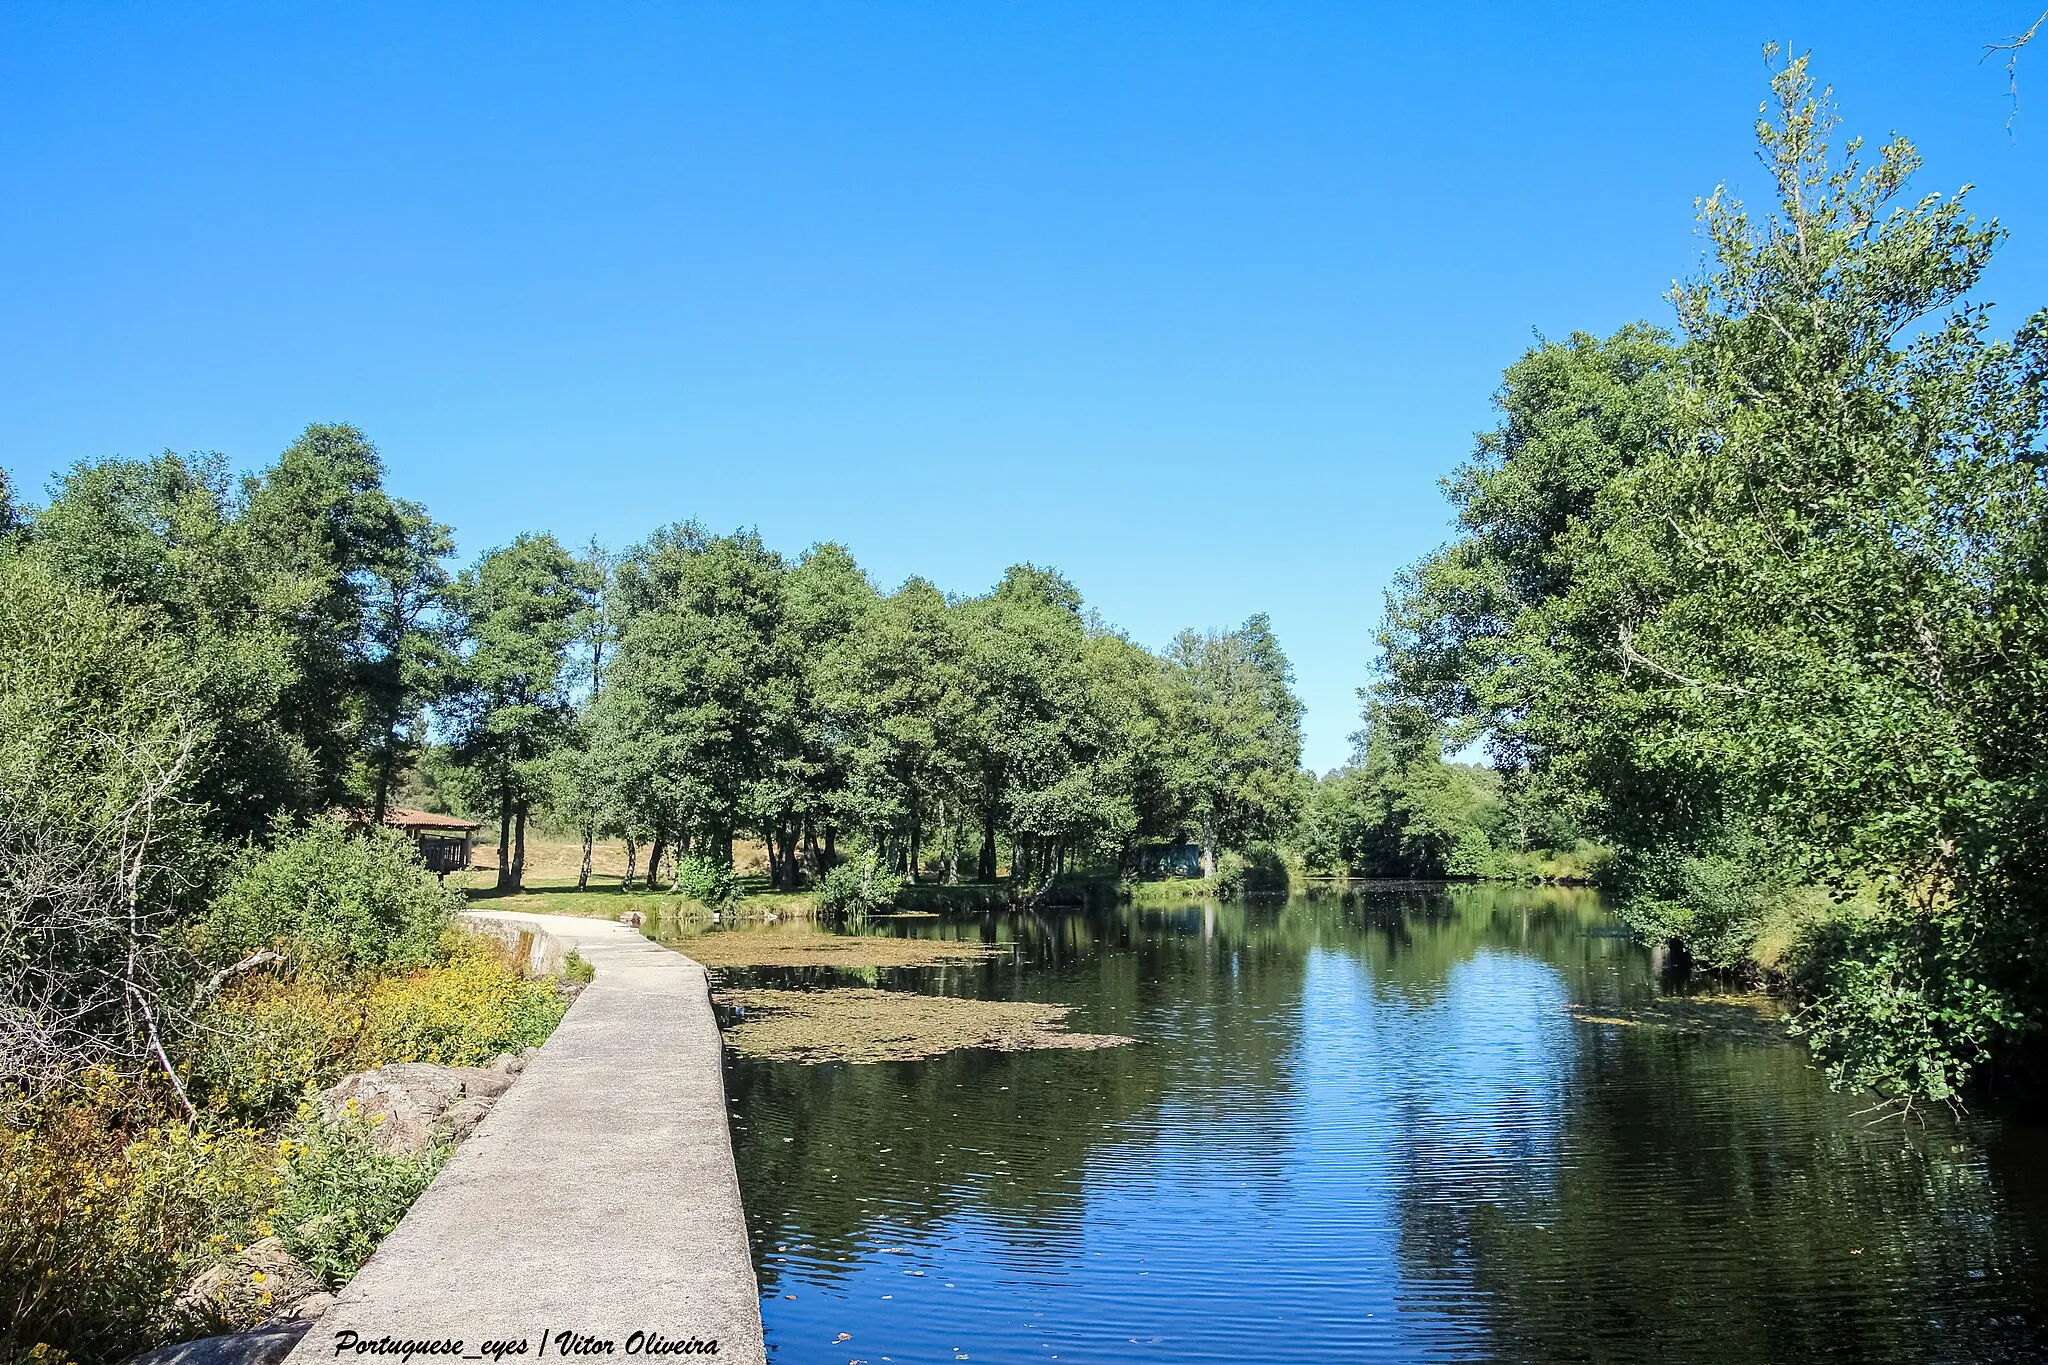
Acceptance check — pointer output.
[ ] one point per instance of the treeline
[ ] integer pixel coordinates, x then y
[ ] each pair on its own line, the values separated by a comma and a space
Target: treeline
1761, 605
695, 689
1399, 808
705, 688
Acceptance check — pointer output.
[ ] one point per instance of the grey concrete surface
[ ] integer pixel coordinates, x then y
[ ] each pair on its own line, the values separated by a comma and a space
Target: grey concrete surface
597, 1199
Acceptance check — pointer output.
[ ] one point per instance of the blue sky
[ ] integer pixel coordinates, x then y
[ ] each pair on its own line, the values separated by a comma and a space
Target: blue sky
1196, 302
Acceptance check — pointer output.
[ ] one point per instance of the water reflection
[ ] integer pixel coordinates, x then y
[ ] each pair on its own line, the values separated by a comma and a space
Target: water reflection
1364, 1127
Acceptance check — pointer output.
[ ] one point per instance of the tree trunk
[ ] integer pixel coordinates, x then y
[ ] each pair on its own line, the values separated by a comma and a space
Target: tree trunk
788, 835
773, 843
831, 859
911, 848
632, 861
583, 872
1208, 849
385, 762
505, 834
654, 857
985, 867
811, 846
519, 850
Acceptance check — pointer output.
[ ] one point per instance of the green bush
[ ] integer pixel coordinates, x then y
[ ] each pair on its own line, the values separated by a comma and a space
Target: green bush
338, 1196
268, 1038
703, 881
1258, 871
858, 888
1901, 1003
335, 898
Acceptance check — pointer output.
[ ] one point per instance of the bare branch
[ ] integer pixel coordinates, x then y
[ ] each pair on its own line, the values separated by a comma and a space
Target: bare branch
1626, 639
2013, 45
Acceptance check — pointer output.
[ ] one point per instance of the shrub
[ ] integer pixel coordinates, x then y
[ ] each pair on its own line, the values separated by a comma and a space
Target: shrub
1901, 1002
858, 888
338, 1196
332, 897
265, 1041
463, 1013
106, 1205
703, 881
1258, 871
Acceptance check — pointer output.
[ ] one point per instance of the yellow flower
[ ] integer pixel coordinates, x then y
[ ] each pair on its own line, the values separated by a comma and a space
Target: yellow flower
42, 1348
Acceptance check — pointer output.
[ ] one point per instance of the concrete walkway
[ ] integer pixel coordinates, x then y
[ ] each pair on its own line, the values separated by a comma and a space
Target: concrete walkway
597, 1199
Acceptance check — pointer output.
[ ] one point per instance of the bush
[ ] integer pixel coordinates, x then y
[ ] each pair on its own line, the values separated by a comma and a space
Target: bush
860, 888
1901, 1002
333, 897
701, 880
265, 1041
1258, 871
463, 1013
106, 1203
338, 1196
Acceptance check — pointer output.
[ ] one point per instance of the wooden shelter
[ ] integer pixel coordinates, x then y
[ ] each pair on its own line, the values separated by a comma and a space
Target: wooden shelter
443, 841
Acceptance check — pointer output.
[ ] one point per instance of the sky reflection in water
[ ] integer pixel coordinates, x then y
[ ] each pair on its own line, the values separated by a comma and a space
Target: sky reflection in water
1360, 1128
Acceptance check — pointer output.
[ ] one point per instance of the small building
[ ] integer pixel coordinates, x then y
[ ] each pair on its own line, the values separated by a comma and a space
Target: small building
443, 841
1164, 860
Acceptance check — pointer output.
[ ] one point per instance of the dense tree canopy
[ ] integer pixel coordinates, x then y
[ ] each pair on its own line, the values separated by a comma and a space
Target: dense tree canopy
1762, 604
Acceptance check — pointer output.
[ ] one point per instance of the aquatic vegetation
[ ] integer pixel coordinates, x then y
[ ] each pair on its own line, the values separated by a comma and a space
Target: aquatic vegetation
856, 1025
808, 948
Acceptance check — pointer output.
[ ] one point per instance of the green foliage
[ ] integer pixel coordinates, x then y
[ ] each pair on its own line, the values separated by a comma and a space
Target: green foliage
795, 702
704, 881
1763, 609
1258, 872
1903, 1003
858, 888
515, 615
578, 969
102, 837
269, 1038
1235, 726
338, 1196
1399, 810
333, 897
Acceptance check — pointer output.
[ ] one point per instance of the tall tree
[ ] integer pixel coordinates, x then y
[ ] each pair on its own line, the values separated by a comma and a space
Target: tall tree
405, 663
1237, 725
516, 613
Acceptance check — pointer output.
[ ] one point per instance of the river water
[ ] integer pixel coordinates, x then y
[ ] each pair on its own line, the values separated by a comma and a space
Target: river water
1363, 1127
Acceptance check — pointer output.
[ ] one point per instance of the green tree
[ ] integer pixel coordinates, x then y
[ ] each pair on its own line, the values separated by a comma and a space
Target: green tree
1237, 729
516, 614
1788, 627
406, 656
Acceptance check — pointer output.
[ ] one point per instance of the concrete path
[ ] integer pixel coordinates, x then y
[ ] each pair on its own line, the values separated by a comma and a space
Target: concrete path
598, 1199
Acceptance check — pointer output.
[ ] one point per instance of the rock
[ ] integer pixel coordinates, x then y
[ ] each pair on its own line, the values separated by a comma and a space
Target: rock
312, 1307
462, 1117
259, 1282
266, 1345
405, 1103
631, 917
508, 1063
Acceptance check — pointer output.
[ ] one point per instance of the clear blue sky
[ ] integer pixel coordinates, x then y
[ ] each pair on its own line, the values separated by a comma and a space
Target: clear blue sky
1196, 302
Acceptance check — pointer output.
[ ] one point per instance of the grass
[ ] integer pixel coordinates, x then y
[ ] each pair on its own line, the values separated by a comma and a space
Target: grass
1170, 890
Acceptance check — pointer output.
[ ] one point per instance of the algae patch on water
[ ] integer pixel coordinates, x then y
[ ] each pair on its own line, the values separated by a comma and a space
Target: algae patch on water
854, 1025
812, 949
1730, 1018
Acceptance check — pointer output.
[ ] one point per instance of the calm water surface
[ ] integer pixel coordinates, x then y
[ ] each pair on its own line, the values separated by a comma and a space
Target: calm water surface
1364, 1127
